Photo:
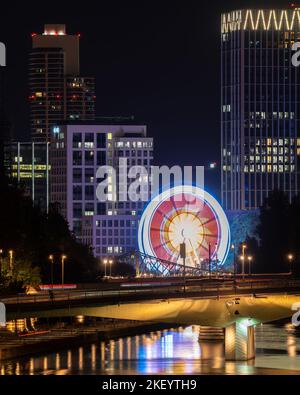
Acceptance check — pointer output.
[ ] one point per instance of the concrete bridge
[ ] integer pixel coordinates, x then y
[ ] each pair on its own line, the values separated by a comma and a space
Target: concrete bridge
235, 307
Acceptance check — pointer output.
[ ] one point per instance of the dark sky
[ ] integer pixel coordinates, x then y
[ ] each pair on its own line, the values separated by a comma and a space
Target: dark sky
157, 60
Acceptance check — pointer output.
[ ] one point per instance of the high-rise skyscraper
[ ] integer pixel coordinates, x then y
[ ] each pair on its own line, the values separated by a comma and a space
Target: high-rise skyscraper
5, 127
57, 91
27, 163
260, 101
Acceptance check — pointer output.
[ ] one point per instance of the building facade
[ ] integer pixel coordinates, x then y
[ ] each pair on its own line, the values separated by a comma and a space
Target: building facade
28, 164
5, 127
77, 152
260, 99
111, 235
57, 91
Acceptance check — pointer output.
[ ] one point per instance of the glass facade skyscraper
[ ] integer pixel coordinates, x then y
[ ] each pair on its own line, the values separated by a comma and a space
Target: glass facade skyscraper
260, 99
28, 164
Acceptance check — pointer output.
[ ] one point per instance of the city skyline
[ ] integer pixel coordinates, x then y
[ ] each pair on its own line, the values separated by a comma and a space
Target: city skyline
149, 191
161, 68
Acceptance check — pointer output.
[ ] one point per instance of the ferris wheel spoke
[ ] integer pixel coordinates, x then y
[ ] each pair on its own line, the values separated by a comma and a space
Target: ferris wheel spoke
209, 235
159, 230
162, 244
198, 213
208, 221
178, 257
173, 255
163, 215
174, 205
205, 248
194, 251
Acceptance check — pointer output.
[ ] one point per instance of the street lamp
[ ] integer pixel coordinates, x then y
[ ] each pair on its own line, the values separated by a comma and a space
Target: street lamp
183, 257
63, 258
243, 260
1, 252
217, 262
291, 259
234, 259
105, 261
51, 259
250, 258
110, 263
209, 259
11, 256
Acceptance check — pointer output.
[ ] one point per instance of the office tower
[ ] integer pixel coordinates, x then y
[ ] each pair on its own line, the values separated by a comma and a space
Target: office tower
57, 91
28, 164
259, 106
77, 151
5, 127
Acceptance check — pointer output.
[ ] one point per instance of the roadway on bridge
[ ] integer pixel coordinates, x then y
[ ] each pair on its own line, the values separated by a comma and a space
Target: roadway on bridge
143, 291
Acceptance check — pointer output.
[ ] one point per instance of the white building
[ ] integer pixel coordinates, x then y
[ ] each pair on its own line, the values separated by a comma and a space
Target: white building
77, 152
110, 235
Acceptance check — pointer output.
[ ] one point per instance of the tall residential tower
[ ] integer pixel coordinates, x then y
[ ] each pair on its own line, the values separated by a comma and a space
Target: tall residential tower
260, 103
57, 91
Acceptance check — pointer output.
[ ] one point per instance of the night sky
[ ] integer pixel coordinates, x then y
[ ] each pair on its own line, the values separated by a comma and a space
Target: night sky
156, 60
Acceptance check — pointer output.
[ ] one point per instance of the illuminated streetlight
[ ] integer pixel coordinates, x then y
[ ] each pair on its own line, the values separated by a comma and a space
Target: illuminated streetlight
243, 260
1, 252
63, 258
11, 257
105, 261
234, 259
110, 264
209, 259
51, 259
291, 259
250, 259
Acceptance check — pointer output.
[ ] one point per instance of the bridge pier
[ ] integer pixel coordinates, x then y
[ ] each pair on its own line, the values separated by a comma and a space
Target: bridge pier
211, 333
240, 342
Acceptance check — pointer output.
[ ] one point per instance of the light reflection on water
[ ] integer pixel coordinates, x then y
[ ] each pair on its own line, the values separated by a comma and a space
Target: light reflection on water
175, 351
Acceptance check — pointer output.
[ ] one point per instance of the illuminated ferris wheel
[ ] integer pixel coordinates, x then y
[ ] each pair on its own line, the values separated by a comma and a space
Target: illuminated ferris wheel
189, 215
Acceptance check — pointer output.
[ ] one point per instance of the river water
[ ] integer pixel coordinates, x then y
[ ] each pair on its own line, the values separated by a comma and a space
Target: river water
172, 351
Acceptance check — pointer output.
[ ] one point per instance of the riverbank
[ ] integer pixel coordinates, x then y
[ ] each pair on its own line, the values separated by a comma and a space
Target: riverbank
14, 346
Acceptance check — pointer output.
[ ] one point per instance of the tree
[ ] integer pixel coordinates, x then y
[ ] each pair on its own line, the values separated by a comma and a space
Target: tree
20, 275
274, 233
276, 236
34, 235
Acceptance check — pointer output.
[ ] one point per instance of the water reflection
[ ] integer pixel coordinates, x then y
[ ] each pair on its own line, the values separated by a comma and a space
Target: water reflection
175, 351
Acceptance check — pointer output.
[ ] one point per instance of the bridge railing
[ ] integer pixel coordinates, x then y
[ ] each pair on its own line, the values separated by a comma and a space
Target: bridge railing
213, 289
